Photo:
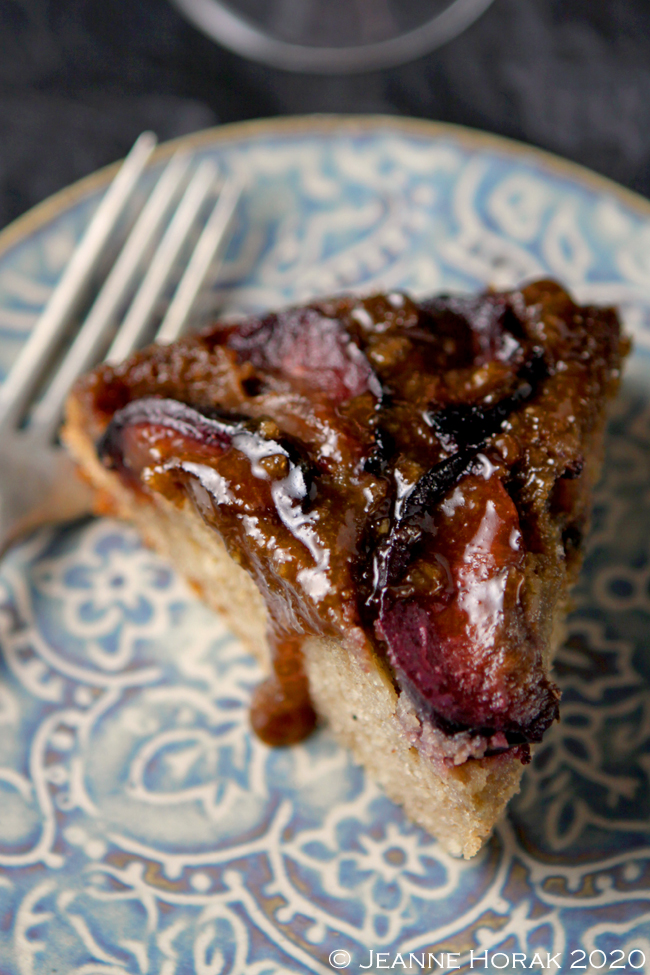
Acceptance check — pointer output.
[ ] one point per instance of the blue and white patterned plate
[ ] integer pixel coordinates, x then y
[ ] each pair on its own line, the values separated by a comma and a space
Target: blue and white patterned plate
143, 831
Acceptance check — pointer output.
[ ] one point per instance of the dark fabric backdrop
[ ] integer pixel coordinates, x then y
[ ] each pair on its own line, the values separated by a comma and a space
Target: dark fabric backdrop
80, 78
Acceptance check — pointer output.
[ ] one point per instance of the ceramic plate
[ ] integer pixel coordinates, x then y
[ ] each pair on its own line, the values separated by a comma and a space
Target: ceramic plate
142, 829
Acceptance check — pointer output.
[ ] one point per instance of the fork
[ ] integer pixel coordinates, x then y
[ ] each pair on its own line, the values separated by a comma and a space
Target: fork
38, 484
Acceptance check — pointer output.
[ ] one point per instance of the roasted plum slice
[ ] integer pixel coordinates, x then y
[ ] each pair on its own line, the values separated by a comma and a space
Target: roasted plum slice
462, 646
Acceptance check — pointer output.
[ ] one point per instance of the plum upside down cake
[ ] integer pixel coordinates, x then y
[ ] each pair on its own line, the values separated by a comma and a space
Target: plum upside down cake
387, 500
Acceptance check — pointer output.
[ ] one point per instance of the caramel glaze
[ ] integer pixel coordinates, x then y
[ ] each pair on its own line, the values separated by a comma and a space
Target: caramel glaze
411, 472
281, 709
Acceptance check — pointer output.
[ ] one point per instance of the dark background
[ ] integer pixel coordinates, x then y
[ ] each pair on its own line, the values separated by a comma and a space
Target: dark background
79, 79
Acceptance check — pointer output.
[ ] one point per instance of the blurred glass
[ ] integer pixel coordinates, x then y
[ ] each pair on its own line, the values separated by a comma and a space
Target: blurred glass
332, 36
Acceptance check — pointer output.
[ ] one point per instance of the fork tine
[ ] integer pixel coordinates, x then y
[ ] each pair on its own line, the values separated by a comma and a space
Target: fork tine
212, 238
26, 371
87, 345
162, 264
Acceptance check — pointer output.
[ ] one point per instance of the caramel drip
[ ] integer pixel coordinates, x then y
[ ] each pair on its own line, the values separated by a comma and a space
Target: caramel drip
281, 709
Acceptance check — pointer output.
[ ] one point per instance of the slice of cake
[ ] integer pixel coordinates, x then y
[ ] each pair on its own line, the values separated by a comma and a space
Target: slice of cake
387, 501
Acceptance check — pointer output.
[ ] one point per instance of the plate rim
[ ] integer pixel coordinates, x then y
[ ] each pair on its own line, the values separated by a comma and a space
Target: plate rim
38, 216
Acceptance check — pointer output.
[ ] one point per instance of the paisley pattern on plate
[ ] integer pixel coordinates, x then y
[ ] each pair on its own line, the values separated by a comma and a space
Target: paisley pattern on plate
143, 831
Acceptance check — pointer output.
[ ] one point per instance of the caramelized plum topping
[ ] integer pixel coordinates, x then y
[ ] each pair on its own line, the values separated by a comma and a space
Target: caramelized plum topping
392, 553
469, 425
463, 649
158, 420
308, 347
410, 472
464, 429
162, 434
